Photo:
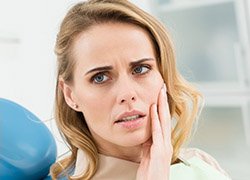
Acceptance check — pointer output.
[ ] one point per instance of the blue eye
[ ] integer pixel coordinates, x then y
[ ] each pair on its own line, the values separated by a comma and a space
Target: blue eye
99, 78
141, 69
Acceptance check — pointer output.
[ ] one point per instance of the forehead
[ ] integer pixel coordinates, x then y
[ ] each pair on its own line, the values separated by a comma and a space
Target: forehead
104, 43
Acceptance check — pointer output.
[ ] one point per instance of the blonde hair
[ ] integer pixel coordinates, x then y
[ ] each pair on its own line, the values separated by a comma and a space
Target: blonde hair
183, 98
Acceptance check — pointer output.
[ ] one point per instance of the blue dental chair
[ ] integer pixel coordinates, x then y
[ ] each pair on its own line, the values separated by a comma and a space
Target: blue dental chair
27, 148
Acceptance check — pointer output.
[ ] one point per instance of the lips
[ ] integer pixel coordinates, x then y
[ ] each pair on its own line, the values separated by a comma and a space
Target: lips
130, 116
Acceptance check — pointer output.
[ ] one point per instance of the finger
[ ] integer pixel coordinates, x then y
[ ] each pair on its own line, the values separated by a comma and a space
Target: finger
164, 114
157, 135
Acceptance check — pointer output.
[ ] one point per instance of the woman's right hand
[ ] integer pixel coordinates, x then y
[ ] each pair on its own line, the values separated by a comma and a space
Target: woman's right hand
157, 152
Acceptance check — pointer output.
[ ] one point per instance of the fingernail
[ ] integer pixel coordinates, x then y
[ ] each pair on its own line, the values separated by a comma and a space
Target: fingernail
164, 87
154, 108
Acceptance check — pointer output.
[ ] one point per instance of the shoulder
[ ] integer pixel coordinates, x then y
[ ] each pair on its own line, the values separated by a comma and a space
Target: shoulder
188, 153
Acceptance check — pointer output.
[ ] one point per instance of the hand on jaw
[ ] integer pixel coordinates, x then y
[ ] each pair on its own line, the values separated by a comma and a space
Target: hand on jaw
157, 152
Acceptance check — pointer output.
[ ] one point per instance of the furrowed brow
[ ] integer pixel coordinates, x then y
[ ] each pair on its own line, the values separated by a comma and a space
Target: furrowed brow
102, 68
140, 61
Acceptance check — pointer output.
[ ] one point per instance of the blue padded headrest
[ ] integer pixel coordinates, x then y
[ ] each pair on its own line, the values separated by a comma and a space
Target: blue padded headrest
27, 148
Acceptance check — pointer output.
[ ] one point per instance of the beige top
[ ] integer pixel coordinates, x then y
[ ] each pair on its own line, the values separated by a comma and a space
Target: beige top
114, 168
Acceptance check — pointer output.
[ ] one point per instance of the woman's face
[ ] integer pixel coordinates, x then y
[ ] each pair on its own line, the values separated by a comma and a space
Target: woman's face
116, 80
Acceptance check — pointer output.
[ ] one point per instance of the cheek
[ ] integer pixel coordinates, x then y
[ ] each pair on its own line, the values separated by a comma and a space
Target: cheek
92, 100
153, 87
94, 106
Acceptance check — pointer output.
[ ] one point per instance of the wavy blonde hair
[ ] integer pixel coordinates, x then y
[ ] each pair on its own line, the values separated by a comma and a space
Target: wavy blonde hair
183, 98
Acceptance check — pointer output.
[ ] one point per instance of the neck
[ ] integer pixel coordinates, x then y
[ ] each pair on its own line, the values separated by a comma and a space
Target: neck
129, 153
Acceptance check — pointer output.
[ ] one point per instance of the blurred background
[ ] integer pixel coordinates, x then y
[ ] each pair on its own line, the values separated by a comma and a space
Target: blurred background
212, 41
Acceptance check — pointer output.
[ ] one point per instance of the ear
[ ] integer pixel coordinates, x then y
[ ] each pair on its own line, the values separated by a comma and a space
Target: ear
68, 94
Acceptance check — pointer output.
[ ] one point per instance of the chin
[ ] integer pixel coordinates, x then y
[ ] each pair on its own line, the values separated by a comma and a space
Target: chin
136, 138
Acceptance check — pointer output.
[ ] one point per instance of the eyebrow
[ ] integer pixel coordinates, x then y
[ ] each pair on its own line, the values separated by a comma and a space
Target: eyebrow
140, 61
108, 68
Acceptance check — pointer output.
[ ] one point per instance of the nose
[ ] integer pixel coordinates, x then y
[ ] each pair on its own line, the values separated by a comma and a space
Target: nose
127, 98
126, 93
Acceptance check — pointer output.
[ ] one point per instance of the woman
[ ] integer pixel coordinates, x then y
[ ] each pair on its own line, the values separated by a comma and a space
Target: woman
121, 104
